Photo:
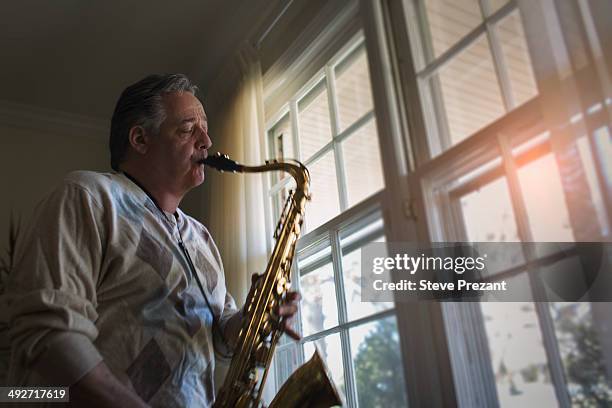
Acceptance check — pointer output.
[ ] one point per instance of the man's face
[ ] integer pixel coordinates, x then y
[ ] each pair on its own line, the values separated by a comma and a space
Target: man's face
182, 142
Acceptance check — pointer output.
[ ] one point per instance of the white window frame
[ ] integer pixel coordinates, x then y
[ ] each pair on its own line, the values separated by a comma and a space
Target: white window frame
327, 74
329, 235
349, 219
388, 26
402, 129
426, 66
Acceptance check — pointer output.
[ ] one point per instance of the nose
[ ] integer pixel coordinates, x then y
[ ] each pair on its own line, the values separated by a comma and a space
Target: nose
203, 139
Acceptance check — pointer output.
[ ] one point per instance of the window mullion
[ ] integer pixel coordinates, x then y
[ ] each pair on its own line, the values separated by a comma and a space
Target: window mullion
501, 69
448, 55
461, 45
348, 132
295, 127
337, 266
514, 186
296, 284
353, 323
320, 153
358, 124
351, 391
436, 122
279, 186
425, 32
549, 339
330, 76
439, 109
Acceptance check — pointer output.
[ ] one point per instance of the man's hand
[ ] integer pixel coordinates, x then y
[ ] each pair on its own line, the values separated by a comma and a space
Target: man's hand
286, 311
100, 388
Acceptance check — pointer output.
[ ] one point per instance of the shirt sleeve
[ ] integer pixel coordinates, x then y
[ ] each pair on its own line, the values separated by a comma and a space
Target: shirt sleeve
52, 305
230, 320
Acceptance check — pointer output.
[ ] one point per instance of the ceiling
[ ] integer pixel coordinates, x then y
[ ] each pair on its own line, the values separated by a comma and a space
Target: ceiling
76, 56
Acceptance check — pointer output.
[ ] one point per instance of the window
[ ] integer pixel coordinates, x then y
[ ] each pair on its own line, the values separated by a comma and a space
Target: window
472, 65
487, 154
495, 172
329, 125
351, 335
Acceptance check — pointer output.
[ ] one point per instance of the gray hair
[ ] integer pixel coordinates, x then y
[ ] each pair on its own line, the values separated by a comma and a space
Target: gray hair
141, 104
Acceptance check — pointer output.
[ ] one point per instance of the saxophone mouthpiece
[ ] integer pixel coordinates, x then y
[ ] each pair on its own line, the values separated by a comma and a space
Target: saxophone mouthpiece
221, 162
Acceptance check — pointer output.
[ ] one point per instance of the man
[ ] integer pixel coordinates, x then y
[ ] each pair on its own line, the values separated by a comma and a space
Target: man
117, 292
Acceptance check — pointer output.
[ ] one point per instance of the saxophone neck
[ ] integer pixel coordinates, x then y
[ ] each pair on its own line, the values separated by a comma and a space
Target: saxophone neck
296, 169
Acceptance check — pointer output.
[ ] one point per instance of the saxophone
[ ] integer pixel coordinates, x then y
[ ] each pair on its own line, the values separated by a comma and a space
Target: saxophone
311, 385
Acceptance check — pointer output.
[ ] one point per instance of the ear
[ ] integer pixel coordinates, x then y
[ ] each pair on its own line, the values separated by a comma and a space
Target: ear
138, 139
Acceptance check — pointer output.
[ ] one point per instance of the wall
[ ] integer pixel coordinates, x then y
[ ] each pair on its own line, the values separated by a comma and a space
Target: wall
37, 148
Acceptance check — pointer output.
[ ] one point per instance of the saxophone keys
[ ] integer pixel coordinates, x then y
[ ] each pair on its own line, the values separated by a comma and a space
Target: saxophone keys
244, 400
266, 329
252, 378
261, 353
280, 286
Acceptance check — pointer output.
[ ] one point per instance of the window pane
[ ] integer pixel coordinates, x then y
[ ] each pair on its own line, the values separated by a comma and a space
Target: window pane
362, 164
495, 5
586, 156
488, 215
281, 140
318, 305
580, 329
379, 372
474, 174
470, 91
280, 143
280, 198
353, 88
314, 124
603, 142
519, 361
331, 352
306, 261
285, 361
351, 273
450, 21
325, 203
350, 237
545, 201
516, 58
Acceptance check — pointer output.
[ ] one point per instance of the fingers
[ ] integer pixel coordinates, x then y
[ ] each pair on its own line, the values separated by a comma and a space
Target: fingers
287, 329
286, 325
293, 296
289, 307
286, 311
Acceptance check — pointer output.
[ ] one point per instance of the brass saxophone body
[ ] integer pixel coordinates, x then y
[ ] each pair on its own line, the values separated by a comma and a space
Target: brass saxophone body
260, 332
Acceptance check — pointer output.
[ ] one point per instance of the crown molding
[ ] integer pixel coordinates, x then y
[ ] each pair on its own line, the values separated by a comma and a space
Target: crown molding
49, 121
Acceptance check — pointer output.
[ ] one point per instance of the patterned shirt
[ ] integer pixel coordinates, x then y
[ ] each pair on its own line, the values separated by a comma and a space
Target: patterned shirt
100, 275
